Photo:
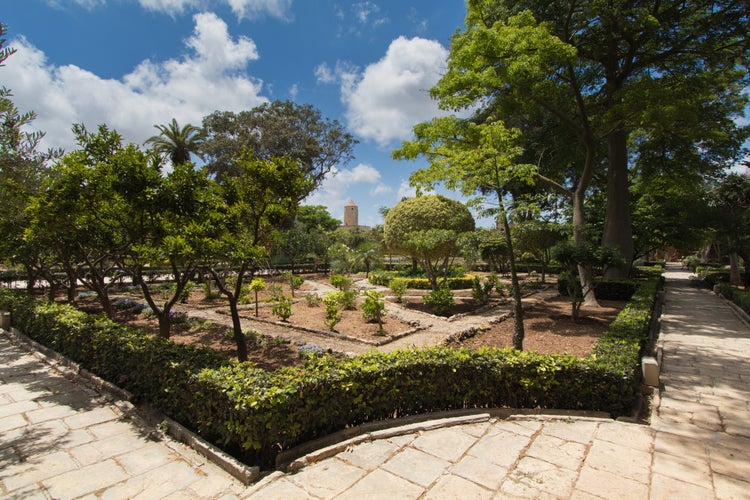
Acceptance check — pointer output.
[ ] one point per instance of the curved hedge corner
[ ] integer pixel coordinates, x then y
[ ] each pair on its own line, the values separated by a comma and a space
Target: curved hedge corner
255, 414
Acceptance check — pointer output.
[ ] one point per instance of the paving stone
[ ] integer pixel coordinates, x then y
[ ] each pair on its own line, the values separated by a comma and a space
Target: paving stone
731, 487
101, 449
691, 469
91, 417
35, 469
371, 454
619, 460
557, 451
638, 437
18, 408
46, 413
610, 486
327, 478
543, 476
12, 422
730, 462
481, 472
500, 447
669, 487
448, 443
403, 464
380, 484
577, 430
680, 446
455, 487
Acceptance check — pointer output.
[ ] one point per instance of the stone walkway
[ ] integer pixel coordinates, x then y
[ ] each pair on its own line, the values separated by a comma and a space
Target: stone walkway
62, 440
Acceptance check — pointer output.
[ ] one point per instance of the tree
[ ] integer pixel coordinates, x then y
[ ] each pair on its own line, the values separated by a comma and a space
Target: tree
257, 199
602, 70
273, 130
537, 238
427, 228
730, 200
177, 143
23, 170
477, 157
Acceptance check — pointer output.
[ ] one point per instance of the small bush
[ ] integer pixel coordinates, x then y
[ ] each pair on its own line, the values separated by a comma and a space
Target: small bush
313, 300
282, 307
373, 307
333, 309
441, 300
398, 287
340, 281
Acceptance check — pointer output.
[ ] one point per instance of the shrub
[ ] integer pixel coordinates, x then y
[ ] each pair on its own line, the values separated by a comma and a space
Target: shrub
398, 287
333, 306
282, 307
340, 281
481, 291
441, 300
373, 307
313, 299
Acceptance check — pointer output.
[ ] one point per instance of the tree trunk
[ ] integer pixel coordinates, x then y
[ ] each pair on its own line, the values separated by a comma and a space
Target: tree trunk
239, 337
734, 269
618, 232
584, 272
518, 329
165, 325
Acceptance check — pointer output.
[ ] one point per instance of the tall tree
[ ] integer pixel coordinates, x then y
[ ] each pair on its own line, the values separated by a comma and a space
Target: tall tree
273, 130
601, 69
176, 142
476, 158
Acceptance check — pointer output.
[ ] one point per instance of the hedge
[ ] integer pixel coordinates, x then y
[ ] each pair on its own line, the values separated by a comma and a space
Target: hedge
740, 297
254, 414
384, 279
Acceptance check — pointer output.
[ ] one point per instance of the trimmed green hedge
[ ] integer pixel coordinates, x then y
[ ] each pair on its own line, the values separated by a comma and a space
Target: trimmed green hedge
739, 297
254, 414
384, 279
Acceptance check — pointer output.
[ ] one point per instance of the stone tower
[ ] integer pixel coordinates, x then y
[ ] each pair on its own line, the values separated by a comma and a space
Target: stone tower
351, 215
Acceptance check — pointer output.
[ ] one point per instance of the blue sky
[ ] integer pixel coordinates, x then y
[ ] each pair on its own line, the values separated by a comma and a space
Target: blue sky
135, 63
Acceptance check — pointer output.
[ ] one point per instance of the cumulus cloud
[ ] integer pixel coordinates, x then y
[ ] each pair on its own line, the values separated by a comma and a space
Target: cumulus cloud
337, 188
391, 95
210, 76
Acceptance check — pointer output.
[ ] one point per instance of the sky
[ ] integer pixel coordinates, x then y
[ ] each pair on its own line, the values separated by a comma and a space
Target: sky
132, 64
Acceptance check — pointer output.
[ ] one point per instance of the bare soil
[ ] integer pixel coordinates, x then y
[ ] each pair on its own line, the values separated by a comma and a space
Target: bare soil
550, 329
548, 325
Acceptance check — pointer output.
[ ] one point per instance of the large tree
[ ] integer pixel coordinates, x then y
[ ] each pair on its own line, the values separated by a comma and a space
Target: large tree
273, 130
597, 71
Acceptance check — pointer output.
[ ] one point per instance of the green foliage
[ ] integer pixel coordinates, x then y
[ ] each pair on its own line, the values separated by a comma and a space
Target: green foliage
373, 307
481, 290
441, 300
256, 413
739, 297
313, 300
398, 286
333, 304
385, 278
340, 281
282, 306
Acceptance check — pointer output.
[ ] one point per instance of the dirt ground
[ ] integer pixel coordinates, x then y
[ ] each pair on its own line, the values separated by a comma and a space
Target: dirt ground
548, 326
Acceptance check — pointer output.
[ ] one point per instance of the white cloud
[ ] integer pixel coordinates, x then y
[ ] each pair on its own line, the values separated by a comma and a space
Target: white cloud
338, 187
367, 13
386, 100
210, 76
405, 190
257, 8
242, 9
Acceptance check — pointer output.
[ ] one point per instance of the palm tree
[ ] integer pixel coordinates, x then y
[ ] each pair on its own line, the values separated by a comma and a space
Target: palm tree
176, 142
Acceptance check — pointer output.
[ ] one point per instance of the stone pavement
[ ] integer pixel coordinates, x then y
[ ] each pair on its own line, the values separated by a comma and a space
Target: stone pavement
62, 440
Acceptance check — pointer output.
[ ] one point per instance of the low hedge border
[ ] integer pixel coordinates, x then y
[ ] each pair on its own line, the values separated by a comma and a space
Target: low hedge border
384, 279
740, 298
255, 414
